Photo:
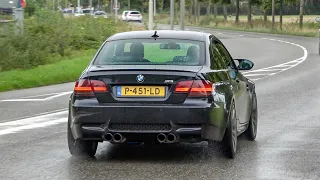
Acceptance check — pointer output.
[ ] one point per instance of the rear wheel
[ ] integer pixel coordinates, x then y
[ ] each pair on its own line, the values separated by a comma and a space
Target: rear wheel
80, 147
230, 138
253, 123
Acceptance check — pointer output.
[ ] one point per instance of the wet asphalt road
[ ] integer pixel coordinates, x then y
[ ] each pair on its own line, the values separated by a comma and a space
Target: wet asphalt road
33, 129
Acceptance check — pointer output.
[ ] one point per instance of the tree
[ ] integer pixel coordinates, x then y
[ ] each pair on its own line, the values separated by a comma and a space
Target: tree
265, 6
209, 7
301, 9
281, 13
273, 13
195, 5
237, 11
215, 10
301, 13
225, 10
250, 4
249, 11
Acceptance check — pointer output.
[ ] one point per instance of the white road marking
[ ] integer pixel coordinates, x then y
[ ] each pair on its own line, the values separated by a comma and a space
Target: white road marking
55, 95
32, 126
241, 35
267, 70
280, 67
41, 95
248, 75
33, 122
33, 116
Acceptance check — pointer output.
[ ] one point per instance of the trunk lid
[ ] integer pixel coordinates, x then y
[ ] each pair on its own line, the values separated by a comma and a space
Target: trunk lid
142, 83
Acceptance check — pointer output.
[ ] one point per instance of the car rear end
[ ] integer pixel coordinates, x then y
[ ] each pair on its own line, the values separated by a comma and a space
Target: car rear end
134, 16
161, 98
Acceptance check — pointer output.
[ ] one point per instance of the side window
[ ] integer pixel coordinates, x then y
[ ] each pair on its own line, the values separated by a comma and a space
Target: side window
229, 63
221, 57
217, 57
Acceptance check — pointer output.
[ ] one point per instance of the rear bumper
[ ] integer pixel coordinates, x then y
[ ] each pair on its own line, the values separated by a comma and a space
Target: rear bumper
134, 19
196, 122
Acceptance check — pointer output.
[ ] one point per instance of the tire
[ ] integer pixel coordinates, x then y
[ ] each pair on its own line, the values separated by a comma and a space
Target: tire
253, 122
230, 139
80, 147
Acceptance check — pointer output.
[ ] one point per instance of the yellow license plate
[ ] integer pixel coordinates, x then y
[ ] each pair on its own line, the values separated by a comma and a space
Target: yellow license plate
141, 91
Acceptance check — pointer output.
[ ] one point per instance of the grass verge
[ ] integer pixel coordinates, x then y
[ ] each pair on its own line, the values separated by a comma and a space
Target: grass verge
290, 25
66, 70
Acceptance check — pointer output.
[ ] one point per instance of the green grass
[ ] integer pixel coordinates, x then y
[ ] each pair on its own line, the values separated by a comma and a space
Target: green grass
290, 24
293, 31
66, 70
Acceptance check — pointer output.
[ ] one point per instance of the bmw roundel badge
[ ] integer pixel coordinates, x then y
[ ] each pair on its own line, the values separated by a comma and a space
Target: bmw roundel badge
140, 78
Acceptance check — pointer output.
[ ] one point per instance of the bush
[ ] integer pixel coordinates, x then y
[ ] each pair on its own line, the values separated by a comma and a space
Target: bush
49, 35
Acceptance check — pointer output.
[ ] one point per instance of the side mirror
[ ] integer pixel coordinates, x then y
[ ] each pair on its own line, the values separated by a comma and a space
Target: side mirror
244, 64
318, 19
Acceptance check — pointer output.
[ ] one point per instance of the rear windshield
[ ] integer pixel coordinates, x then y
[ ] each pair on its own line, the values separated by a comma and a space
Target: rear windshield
150, 51
135, 12
86, 11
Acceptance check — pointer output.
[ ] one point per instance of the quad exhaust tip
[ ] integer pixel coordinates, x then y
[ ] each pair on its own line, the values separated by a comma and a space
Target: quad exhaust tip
171, 138
161, 138
108, 137
117, 137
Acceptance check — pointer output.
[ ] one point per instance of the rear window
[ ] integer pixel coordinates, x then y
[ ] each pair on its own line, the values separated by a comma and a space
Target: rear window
135, 12
150, 51
86, 11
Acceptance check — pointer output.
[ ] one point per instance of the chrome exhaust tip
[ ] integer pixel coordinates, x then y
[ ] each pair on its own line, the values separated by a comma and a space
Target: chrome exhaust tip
118, 138
108, 137
161, 138
171, 138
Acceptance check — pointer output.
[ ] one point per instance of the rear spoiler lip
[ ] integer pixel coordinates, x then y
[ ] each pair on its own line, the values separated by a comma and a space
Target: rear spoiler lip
193, 69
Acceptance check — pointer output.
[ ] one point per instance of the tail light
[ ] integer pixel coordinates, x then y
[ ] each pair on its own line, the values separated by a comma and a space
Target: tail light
196, 88
86, 87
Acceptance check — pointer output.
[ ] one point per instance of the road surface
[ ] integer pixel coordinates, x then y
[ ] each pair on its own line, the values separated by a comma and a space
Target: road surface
33, 126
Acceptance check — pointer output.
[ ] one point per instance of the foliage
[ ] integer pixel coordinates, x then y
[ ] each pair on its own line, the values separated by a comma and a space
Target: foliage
66, 70
48, 36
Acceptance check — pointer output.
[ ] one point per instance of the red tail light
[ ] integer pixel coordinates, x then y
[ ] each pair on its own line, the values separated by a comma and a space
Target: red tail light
196, 88
183, 86
85, 87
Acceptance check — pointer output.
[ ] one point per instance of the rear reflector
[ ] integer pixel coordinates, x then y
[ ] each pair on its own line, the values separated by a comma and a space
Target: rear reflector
196, 88
86, 87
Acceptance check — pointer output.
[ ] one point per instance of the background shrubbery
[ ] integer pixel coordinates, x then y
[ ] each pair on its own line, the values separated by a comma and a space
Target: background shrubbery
48, 36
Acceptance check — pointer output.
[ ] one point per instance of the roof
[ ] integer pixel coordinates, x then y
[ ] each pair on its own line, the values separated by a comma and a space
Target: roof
6, 4
163, 34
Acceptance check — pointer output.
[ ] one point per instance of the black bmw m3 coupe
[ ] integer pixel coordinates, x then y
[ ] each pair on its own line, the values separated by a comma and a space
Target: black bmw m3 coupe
158, 87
